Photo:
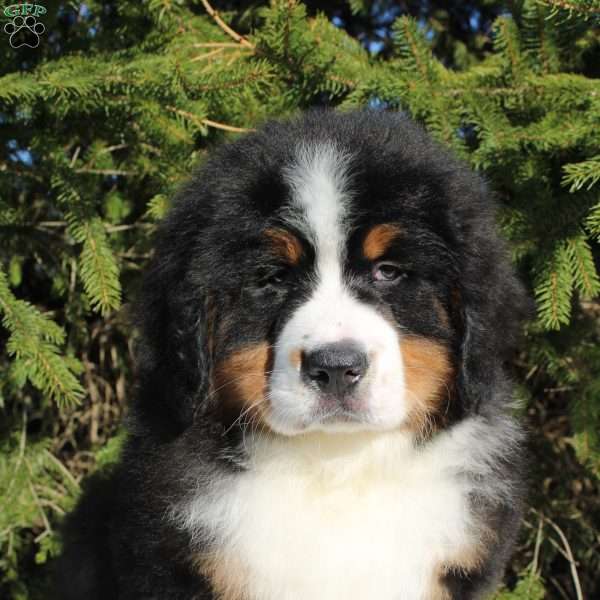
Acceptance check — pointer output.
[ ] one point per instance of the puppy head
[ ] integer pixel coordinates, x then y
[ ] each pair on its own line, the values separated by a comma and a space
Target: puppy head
336, 273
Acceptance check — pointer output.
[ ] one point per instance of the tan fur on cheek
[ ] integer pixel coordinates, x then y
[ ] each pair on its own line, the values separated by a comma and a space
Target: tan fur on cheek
227, 576
427, 372
437, 590
240, 382
285, 245
465, 560
378, 240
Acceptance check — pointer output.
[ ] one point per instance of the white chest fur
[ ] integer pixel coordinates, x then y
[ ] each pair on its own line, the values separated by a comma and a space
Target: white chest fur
343, 517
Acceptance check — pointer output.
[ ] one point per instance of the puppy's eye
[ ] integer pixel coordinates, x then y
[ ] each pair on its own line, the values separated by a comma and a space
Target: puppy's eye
274, 278
278, 277
388, 273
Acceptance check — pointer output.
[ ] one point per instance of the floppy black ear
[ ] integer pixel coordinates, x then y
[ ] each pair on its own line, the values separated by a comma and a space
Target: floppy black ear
173, 353
493, 305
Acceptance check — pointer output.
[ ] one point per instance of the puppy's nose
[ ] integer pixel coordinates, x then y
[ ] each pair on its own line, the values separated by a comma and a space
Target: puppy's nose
335, 368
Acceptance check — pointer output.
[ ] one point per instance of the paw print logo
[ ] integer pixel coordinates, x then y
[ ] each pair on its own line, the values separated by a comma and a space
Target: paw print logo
24, 31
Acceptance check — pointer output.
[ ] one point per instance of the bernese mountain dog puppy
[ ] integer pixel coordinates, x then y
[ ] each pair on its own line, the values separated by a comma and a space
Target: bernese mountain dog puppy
323, 409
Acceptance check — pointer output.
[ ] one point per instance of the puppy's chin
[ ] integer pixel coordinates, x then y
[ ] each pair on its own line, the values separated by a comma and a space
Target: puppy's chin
331, 423
328, 426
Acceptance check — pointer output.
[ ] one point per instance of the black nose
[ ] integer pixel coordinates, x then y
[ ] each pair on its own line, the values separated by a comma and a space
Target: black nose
335, 368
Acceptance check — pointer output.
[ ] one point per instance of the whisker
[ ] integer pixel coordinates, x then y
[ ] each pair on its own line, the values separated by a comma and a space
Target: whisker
245, 412
234, 380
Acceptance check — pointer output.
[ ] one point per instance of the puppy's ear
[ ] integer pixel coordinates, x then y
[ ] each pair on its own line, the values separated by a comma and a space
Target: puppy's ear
492, 305
173, 352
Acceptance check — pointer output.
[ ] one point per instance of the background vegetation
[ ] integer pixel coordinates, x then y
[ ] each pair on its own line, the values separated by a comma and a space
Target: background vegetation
120, 100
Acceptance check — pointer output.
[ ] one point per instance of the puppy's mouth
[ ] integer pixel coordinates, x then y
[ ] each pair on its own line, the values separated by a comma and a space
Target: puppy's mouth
340, 407
330, 412
340, 416
332, 419
337, 374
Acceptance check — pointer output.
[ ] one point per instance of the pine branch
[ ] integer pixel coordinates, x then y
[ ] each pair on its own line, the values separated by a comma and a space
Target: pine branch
33, 344
585, 413
507, 44
578, 175
583, 269
413, 49
554, 289
539, 37
587, 8
592, 221
18, 87
157, 207
98, 267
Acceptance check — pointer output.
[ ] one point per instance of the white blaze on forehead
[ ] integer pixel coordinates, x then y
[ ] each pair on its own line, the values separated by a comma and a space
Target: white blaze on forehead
320, 208
319, 184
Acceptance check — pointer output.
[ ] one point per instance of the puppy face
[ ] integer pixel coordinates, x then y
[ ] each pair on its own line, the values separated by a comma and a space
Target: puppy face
341, 360
340, 315
337, 272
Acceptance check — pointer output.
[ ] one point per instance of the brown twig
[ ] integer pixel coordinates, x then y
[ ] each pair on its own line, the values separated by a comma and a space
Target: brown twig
207, 122
559, 588
41, 536
225, 127
116, 228
240, 39
216, 45
569, 556
50, 224
75, 157
55, 507
207, 55
37, 499
112, 148
104, 171
68, 475
538, 544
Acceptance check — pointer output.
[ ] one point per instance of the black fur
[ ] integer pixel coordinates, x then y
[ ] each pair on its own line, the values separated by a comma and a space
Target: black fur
204, 295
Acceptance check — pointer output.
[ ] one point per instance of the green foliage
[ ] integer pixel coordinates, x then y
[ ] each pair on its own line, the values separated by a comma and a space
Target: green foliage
578, 175
586, 415
99, 128
554, 289
36, 489
97, 264
529, 587
593, 221
33, 345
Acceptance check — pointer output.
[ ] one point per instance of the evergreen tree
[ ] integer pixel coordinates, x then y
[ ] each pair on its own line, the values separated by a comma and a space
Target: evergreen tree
120, 100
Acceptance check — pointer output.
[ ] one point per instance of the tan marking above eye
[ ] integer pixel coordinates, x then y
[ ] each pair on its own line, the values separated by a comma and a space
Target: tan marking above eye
240, 382
379, 238
427, 374
285, 244
442, 313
